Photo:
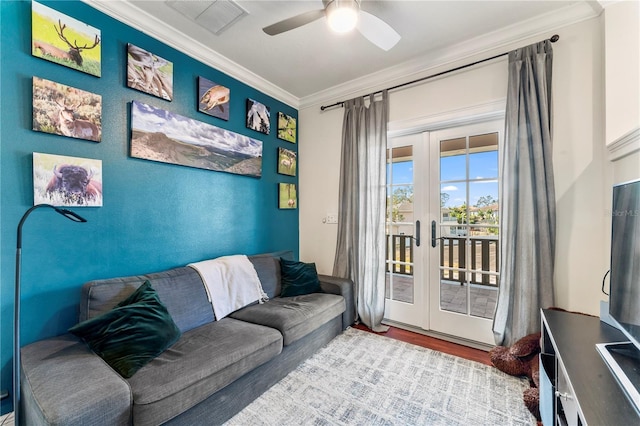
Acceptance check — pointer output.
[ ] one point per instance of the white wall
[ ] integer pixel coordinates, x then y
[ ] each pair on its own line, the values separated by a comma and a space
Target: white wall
580, 162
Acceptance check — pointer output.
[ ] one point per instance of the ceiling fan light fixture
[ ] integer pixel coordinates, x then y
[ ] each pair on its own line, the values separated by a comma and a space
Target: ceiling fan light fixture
342, 15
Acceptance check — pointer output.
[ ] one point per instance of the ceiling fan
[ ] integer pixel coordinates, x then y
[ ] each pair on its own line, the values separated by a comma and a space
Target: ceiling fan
343, 16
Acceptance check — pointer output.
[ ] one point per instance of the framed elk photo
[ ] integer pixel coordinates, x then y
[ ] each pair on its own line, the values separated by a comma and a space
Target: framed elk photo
59, 38
149, 73
65, 110
66, 181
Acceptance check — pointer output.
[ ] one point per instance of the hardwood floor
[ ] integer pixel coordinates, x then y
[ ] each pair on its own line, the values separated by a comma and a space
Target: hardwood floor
433, 343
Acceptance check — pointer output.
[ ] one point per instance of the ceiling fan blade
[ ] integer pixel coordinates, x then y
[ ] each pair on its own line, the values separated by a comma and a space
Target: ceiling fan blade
294, 22
377, 31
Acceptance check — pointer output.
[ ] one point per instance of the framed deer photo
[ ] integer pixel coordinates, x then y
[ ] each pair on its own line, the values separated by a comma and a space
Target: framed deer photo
67, 111
64, 40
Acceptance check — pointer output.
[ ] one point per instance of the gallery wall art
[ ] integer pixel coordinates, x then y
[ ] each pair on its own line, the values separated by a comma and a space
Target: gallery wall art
213, 98
149, 73
163, 136
258, 117
64, 40
66, 181
287, 127
287, 196
287, 162
65, 110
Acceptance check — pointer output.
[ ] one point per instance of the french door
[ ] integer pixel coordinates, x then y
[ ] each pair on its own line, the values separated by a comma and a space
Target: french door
442, 191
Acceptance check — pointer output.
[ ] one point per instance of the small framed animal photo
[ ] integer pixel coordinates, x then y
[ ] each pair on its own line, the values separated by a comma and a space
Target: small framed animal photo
258, 116
287, 196
287, 162
213, 98
286, 127
67, 111
66, 181
149, 73
59, 38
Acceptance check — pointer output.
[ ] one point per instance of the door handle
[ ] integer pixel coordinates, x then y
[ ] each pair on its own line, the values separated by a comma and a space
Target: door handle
417, 237
433, 233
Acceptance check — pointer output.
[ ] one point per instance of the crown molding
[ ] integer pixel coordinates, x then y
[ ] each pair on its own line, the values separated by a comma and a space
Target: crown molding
137, 18
505, 38
625, 145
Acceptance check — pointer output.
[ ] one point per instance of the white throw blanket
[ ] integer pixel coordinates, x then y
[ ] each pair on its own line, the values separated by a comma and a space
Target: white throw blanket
231, 283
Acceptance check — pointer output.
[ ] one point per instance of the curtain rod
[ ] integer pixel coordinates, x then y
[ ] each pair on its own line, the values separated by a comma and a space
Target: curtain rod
553, 39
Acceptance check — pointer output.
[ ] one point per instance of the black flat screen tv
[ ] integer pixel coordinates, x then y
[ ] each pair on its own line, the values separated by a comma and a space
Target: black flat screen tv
623, 358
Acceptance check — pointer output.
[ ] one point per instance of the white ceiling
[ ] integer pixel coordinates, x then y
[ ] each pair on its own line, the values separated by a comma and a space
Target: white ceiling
311, 65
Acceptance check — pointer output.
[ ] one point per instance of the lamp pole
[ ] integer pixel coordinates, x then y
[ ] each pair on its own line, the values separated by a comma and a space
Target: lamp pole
16, 303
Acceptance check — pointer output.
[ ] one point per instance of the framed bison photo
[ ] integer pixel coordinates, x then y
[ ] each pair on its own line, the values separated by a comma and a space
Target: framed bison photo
66, 181
61, 39
67, 111
213, 98
149, 73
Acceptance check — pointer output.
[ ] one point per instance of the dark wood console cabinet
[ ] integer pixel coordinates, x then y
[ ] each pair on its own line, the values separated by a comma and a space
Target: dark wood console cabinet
576, 386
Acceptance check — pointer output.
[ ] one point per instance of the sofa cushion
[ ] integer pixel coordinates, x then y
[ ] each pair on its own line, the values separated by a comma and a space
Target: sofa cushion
268, 268
180, 289
203, 361
294, 317
64, 383
298, 278
137, 330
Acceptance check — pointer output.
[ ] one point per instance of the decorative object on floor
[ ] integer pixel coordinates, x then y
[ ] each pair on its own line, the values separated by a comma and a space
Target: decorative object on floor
149, 73
163, 136
522, 359
287, 127
287, 162
287, 196
258, 116
362, 378
214, 98
16, 304
67, 111
52, 34
67, 181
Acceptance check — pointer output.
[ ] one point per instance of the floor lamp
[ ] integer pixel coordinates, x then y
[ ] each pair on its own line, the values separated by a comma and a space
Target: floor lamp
16, 304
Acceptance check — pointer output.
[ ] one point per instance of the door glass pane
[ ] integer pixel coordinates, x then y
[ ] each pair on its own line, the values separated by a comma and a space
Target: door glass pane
400, 225
469, 225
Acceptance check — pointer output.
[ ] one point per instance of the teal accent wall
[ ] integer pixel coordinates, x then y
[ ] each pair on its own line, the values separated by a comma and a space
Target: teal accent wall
155, 216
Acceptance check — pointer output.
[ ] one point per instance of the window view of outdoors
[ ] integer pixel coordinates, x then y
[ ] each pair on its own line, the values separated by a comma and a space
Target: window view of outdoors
469, 225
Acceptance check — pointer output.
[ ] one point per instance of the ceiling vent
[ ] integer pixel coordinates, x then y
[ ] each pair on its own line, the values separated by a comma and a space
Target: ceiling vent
215, 16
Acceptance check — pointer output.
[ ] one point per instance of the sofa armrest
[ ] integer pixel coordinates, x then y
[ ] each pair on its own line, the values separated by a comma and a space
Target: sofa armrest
343, 287
65, 383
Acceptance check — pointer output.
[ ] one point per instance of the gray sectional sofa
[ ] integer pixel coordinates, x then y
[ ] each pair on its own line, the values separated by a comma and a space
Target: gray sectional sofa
214, 370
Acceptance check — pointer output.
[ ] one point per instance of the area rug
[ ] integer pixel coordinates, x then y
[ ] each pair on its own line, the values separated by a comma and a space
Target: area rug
361, 378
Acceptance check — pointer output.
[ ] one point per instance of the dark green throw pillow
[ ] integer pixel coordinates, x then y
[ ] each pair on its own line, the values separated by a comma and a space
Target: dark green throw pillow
133, 333
298, 278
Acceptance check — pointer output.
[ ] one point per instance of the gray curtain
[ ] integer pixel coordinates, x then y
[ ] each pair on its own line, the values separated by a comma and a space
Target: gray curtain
360, 246
527, 199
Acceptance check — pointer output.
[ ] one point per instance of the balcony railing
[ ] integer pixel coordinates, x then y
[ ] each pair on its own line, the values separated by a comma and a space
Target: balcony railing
483, 258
